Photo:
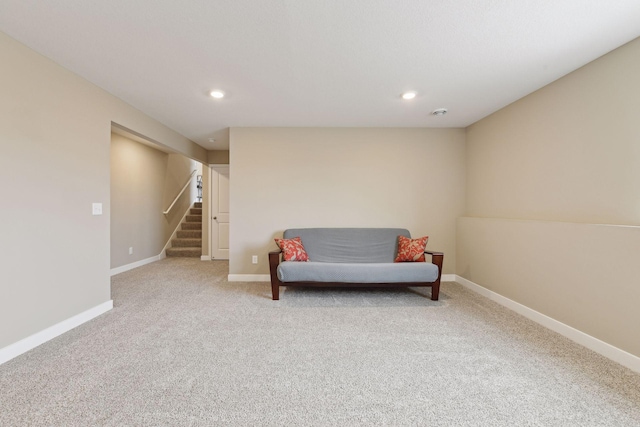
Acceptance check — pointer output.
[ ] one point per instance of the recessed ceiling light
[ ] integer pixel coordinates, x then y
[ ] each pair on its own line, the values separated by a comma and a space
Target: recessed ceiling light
217, 94
439, 112
212, 140
408, 95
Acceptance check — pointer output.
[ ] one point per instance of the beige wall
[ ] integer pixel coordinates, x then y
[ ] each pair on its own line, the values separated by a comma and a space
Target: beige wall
583, 275
218, 157
568, 154
55, 134
144, 182
343, 177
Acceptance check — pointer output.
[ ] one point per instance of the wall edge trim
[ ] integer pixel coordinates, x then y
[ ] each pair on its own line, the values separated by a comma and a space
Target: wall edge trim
24, 345
607, 350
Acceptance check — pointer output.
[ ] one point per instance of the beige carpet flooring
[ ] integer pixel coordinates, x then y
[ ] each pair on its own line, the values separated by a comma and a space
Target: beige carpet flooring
184, 347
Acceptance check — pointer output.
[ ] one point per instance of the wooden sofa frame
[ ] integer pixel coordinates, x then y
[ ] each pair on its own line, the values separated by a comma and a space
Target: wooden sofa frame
275, 257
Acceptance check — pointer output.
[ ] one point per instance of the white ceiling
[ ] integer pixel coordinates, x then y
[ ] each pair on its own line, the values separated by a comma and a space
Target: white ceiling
319, 62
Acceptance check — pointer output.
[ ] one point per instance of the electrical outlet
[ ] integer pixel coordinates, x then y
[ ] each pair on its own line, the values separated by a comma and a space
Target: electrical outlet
131, 250
254, 259
96, 208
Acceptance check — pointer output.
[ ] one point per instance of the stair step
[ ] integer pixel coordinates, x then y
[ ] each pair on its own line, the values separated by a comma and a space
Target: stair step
186, 243
192, 226
190, 234
189, 239
184, 252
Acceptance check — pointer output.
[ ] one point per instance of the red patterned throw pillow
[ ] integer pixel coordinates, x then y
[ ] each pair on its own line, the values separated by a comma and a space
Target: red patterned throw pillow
411, 250
292, 249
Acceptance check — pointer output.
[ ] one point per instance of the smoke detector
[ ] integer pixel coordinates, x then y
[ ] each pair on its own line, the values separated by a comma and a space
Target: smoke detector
439, 112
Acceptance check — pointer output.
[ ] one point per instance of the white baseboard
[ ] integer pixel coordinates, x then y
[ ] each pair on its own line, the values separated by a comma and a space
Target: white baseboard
249, 278
607, 350
448, 278
136, 264
205, 258
26, 344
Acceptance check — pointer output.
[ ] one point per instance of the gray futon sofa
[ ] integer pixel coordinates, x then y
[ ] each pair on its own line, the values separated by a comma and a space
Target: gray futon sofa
354, 257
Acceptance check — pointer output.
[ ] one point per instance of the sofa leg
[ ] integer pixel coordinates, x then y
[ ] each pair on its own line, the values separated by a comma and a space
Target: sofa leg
275, 291
435, 291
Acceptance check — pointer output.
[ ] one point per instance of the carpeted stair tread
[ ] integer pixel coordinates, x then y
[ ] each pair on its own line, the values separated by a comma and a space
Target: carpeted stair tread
186, 243
192, 226
184, 252
189, 234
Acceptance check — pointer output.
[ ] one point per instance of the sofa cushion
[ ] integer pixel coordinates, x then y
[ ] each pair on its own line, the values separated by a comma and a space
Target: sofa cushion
415, 272
350, 245
411, 250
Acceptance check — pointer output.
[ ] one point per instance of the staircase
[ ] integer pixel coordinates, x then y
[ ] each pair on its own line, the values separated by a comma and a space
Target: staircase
188, 242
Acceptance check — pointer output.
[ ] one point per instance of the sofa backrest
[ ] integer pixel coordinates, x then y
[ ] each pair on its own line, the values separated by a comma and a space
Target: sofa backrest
354, 245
